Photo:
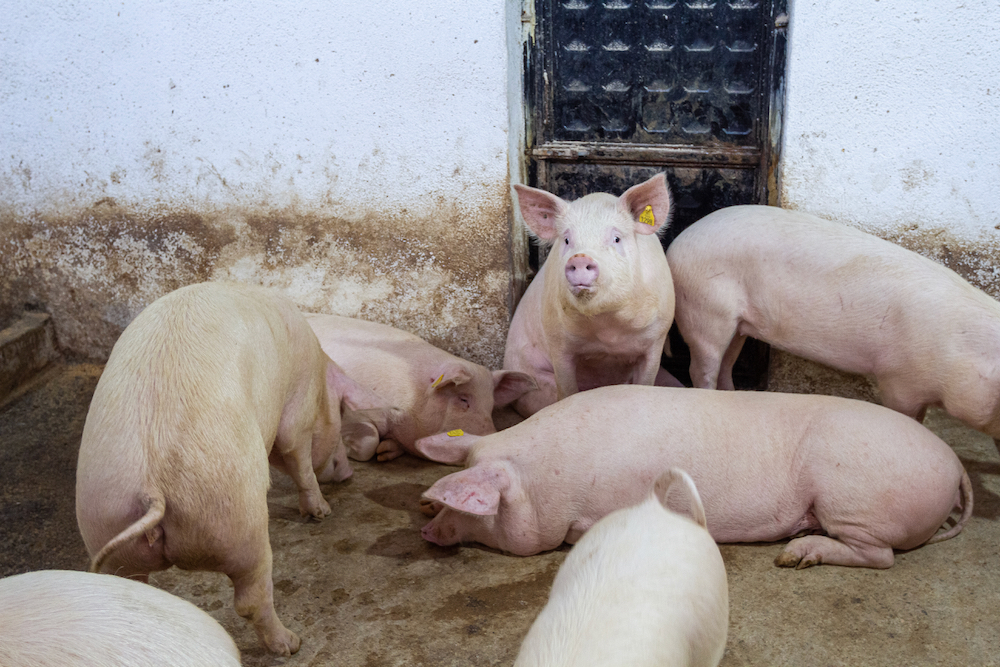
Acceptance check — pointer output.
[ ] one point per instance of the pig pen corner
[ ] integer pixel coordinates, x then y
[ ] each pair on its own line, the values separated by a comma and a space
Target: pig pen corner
363, 588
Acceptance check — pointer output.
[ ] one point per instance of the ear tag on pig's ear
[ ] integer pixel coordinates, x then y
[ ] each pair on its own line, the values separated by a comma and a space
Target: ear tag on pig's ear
454, 433
646, 217
438, 381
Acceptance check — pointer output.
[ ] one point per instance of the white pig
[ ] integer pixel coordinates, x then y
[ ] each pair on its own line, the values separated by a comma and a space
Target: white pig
599, 310
645, 587
60, 618
437, 390
767, 465
836, 295
201, 390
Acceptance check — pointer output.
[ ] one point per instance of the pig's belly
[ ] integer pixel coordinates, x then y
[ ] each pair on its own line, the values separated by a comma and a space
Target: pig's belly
604, 370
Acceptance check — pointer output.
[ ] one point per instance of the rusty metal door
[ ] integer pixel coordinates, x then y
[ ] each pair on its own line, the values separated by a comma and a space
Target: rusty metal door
619, 90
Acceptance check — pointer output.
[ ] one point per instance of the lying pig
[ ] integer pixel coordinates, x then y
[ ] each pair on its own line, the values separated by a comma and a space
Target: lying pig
437, 390
644, 587
202, 389
841, 297
599, 310
59, 618
767, 465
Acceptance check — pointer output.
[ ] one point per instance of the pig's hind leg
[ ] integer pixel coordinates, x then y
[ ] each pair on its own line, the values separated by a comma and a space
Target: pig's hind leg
811, 550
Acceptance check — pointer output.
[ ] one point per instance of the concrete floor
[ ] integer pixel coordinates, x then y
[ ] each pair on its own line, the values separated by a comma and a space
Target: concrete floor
362, 587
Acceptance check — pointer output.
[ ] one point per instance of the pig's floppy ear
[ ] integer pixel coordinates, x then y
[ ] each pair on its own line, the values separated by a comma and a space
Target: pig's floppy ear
453, 374
649, 205
475, 490
540, 210
663, 485
508, 386
451, 448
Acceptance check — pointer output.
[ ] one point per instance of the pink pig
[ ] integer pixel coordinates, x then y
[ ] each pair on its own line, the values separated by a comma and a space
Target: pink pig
836, 295
436, 390
202, 389
768, 466
599, 310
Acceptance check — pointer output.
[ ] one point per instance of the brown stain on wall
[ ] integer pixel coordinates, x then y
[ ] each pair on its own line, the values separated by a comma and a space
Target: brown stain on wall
444, 276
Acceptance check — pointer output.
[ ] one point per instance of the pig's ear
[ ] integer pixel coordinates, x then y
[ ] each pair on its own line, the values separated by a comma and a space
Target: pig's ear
540, 210
508, 386
451, 448
649, 205
475, 490
667, 480
452, 374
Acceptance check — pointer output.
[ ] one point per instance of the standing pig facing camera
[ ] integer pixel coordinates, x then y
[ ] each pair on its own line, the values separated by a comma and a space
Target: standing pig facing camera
436, 391
645, 587
599, 310
59, 618
202, 389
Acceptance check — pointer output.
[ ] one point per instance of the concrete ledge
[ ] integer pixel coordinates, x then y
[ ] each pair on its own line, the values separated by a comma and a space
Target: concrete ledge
27, 347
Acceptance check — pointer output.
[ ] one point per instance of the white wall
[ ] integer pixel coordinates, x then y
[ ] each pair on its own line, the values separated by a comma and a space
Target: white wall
382, 125
893, 117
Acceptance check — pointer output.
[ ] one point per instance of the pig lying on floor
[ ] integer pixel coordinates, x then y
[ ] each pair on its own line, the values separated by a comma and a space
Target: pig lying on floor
645, 587
437, 390
59, 618
599, 310
202, 389
836, 295
768, 466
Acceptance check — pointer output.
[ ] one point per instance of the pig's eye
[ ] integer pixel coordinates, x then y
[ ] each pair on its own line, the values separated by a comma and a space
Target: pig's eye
463, 402
566, 241
618, 239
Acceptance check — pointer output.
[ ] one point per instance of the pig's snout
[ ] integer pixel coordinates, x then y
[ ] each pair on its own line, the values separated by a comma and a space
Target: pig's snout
438, 534
581, 272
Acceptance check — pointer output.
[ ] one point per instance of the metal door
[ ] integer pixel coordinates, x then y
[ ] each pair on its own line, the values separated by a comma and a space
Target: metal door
619, 90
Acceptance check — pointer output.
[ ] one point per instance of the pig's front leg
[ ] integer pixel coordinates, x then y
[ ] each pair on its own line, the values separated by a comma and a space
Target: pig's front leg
564, 368
647, 367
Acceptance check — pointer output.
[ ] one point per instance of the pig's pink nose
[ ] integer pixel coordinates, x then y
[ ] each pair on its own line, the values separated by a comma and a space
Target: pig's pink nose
581, 271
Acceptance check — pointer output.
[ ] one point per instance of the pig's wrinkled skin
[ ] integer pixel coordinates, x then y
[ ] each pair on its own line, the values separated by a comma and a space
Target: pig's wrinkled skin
599, 310
836, 295
645, 587
202, 389
59, 618
437, 391
768, 466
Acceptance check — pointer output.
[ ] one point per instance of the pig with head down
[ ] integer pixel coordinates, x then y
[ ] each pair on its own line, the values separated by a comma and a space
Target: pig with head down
206, 386
645, 587
861, 479
435, 390
841, 297
599, 310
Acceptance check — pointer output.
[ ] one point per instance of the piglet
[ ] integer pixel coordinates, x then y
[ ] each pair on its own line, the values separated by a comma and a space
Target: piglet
768, 466
599, 310
202, 389
645, 587
436, 390
836, 295
59, 618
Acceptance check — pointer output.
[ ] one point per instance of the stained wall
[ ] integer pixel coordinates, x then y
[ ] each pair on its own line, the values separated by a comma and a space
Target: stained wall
354, 156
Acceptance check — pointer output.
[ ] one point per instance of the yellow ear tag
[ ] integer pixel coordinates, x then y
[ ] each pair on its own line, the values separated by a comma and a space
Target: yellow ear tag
456, 432
646, 217
438, 381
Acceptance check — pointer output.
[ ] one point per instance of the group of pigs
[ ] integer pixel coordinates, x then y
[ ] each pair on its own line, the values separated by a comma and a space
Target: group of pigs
213, 382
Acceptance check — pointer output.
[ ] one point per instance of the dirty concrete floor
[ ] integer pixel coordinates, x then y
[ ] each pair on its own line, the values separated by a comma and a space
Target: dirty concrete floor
362, 587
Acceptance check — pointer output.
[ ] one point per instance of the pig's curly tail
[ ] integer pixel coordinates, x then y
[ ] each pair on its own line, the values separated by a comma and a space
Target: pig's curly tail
966, 487
147, 524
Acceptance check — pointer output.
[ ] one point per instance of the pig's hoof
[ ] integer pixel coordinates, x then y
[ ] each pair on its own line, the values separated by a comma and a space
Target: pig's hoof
284, 645
316, 510
430, 508
787, 559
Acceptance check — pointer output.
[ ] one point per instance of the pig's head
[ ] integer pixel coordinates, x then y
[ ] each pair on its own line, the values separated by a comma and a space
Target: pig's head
462, 395
329, 456
471, 502
596, 240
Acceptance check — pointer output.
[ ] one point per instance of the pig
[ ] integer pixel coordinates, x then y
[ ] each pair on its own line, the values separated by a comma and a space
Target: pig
767, 465
645, 587
836, 295
436, 390
59, 618
206, 386
599, 310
